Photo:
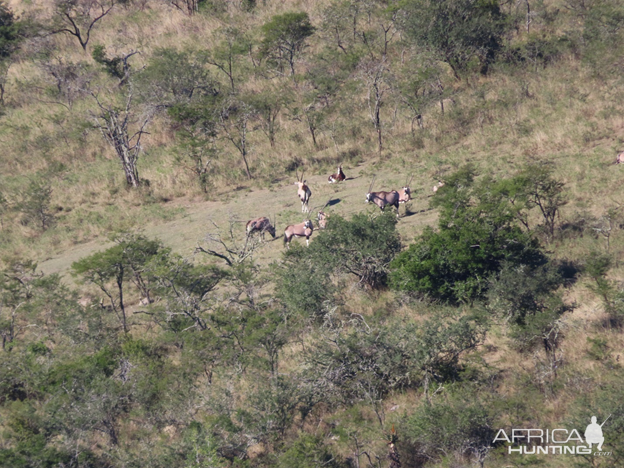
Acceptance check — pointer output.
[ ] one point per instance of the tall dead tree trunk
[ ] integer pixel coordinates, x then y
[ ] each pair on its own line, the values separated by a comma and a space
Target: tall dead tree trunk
373, 75
114, 125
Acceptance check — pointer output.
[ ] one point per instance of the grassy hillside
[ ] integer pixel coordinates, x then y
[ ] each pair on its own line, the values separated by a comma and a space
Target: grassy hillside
141, 327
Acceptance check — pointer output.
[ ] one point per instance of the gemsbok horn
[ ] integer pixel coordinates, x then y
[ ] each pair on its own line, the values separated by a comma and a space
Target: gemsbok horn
304, 193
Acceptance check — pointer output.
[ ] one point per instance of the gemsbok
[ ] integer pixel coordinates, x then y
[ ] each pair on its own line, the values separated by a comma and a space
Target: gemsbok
303, 229
260, 225
405, 193
322, 219
304, 193
382, 199
620, 158
339, 176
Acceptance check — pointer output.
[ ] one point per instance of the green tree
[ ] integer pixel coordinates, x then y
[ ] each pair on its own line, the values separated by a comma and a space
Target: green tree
35, 204
477, 235
9, 31
284, 39
226, 55
363, 247
536, 187
268, 104
111, 270
174, 77
457, 30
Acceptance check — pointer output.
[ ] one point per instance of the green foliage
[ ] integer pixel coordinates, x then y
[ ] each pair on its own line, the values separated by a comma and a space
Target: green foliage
598, 348
113, 66
200, 450
603, 401
24, 292
184, 288
9, 31
457, 423
536, 187
363, 247
35, 204
477, 236
272, 408
284, 39
111, 270
304, 287
174, 77
516, 292
365, 363
308, 451
457, 30
597, 267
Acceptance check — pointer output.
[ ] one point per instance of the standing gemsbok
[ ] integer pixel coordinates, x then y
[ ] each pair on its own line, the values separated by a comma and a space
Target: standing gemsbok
303, 229
382, 199
304, 193
260, 225
339, 176
405, 194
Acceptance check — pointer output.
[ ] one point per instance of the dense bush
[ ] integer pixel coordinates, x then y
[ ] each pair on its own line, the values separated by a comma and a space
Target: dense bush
477, 235
457, 31
457, 424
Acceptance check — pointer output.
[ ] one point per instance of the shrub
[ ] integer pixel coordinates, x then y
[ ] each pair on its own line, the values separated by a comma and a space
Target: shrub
362, 247
365, 363
35, 204
457, 30
477, 236
458, 423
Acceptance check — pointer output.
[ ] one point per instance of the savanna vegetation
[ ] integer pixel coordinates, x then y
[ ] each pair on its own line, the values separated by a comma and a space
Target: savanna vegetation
141, 326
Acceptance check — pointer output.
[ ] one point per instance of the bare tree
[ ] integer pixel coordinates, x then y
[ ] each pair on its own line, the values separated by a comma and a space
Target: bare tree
224, 244
233, 121
373, 75
115, 123
78, 17
68, 81
190, 7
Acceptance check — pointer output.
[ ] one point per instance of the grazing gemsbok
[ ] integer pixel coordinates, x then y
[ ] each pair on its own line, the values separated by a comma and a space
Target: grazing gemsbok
405, 194
620, 158
260, 225
304, 193
337, 177
304, 229
382, 199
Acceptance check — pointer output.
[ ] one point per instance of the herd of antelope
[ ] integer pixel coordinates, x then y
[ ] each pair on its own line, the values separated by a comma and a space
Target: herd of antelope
306, 228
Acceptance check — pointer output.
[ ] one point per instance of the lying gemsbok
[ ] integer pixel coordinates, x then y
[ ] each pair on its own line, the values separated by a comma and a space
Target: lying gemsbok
304, 229
304, 193
382, 199
339, 176
260, 225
